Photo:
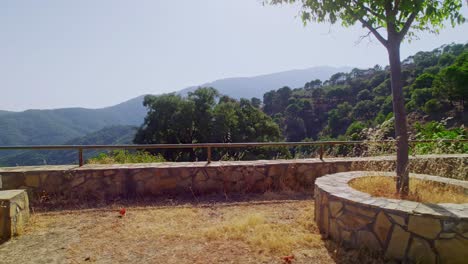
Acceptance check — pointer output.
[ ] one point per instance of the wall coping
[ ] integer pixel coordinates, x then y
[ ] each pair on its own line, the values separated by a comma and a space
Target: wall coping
201, 164
337, 185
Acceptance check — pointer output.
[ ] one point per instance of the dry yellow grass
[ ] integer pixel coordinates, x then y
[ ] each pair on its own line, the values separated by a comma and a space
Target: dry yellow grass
420, 190
269, 235
247, 232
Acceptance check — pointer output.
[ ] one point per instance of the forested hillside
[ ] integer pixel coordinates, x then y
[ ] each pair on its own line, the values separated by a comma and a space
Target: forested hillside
45, 127
435, 87
348, 106
55, 126
113, 135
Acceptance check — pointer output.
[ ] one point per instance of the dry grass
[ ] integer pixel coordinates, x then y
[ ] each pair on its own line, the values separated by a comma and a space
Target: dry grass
420, 190
246, 232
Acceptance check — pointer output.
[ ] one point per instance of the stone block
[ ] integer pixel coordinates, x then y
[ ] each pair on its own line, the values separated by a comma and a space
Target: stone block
382, 227
334, 230
109, 172
420, 251
361, 211
424, 226
167, 183
398, 243
201, 176
14, 213
398, 219
452, 250
324, 223
234, 176
183, 173
32, 180
368, 240
353, 222
335, 208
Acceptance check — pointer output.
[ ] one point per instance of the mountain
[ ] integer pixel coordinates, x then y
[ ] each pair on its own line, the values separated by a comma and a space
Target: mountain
56, 126
45, 127
113, 135
248, 87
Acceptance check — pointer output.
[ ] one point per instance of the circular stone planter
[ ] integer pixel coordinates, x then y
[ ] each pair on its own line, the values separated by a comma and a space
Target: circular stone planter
400, 230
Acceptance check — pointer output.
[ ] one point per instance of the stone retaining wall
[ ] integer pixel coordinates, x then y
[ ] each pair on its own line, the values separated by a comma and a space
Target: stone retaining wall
401, 230
107, 182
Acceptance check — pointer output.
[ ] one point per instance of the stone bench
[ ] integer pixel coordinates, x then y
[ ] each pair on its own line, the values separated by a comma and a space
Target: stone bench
14, 213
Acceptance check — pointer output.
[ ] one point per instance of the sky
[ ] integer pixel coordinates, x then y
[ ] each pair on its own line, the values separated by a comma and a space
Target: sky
93, 54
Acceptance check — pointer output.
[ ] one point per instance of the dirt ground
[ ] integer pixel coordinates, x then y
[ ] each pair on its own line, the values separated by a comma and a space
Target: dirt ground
235, 232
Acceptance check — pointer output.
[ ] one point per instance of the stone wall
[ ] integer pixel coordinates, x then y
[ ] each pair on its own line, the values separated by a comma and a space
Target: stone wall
107, 182
400, 230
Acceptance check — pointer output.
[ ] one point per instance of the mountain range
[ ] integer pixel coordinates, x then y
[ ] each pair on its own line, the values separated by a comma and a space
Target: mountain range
248, 87
57, 126
107, 136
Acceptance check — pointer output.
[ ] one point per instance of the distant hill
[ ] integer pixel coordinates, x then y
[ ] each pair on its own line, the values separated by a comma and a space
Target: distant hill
56, 126
248, 87
45, 127
114, 135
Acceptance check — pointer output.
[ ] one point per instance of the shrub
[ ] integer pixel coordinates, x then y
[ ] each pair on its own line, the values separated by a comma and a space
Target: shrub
437, 131
124, 156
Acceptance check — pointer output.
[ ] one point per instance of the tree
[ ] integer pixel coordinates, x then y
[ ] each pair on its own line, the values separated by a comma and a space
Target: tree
200, 118
364, 95
453, 80
204, 100
364, 110
400, 19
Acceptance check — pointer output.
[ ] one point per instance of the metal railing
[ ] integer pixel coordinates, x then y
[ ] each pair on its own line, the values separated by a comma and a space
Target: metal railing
210, 146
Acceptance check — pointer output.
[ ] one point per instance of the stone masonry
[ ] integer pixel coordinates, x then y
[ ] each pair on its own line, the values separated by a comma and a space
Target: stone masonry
401, 230
108, 182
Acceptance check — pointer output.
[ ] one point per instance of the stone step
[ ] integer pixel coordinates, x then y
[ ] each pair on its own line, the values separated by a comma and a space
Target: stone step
14, 213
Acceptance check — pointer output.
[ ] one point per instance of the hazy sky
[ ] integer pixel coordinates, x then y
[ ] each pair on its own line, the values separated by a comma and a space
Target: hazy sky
98, 53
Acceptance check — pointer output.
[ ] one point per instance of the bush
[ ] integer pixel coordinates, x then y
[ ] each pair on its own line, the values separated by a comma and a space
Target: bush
437, 131
354, 130
432, 106
124, 156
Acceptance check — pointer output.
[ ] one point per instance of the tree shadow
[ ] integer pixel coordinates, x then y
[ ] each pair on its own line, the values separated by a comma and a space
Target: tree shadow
342, 254
236, 199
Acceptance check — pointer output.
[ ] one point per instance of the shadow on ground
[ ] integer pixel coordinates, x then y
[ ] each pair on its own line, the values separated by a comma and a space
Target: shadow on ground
48, 204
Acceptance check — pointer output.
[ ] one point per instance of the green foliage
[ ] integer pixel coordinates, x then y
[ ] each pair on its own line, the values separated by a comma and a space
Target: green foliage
424, 80
438, 131
364, 110
354, 130
339, 118
125, 157
331, 108
364, 95
49, 127
421, 96
113, 135
399, 17
453, 80
432, 106
201, 118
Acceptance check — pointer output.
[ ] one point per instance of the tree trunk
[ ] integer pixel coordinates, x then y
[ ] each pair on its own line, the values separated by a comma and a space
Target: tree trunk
399, 112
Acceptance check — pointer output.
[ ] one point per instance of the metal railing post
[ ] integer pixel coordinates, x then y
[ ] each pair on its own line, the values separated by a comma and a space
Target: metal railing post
321, 151
80, 157
209, 155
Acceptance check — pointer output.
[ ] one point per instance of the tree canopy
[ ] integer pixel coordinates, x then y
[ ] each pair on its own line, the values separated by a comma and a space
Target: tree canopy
401, 17
203, 117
